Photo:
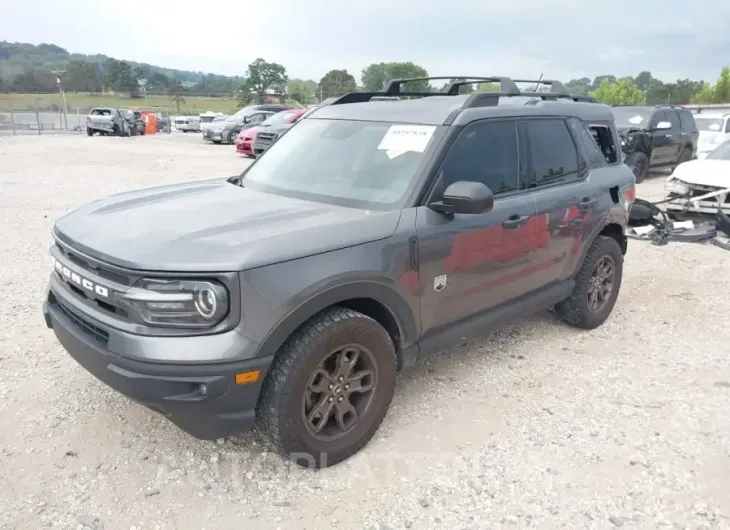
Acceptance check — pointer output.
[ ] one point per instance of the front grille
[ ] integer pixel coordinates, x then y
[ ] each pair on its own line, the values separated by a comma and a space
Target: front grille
81, 323
94, 268
266, 138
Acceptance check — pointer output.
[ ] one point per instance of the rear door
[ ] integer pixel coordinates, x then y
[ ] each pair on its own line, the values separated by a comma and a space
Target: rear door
690, 134
470, 264
678, 136
663, 142
557, 176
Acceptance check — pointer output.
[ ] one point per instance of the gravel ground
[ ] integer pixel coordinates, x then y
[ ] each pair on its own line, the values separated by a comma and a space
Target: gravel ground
535, 425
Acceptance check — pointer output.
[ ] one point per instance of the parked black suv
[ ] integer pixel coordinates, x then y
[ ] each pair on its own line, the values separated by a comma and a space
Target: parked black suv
369, 236
656, 137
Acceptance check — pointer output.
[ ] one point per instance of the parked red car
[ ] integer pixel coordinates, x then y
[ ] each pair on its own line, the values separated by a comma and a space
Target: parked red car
244, 140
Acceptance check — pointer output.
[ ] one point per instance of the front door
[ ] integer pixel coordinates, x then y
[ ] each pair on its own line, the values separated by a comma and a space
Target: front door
470, 264
662, 141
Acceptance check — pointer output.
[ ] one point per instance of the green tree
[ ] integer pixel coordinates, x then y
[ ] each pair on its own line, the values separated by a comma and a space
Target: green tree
579, 86
337, 83
82, 76
35, 80
599, 80
658, 93
176, 94
722, 87
376, 75
643, 80
121, 77
620, 92
705, 95
300, 91
262, 78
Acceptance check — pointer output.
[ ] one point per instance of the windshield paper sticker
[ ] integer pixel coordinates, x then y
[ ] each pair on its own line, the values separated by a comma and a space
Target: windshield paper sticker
636, 120
404, 138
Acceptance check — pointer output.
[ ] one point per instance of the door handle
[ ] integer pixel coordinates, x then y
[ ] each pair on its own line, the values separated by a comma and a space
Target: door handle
668, 135
515, 221
587, 202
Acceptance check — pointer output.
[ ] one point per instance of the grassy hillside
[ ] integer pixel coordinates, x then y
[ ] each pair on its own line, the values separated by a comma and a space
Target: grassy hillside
84, 102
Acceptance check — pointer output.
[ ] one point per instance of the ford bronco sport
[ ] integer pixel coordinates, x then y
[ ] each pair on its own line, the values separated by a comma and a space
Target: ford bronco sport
370, 235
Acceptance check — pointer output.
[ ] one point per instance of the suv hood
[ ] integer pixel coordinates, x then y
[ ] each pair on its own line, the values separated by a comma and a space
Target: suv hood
214, 226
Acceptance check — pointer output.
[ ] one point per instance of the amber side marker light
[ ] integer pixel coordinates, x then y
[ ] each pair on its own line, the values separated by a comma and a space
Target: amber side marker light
248, 377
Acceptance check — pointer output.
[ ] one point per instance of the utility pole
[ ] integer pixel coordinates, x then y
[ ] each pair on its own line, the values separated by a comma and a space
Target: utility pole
63, 95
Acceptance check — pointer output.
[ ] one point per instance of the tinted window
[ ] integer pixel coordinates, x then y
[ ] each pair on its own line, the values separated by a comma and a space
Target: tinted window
688, 121
553, 155
673, 119
484, 152
727, 126
588, 146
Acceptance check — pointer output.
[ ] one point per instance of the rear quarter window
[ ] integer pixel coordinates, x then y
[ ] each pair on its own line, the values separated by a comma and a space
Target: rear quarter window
687, 120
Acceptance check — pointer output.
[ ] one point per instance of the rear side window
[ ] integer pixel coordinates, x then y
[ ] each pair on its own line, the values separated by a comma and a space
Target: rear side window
484, 152
553, 157
588, 144
727, 125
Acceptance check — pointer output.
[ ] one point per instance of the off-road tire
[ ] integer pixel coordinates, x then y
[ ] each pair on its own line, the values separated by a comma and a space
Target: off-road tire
574, 309
639, 164
279, 411
89, 132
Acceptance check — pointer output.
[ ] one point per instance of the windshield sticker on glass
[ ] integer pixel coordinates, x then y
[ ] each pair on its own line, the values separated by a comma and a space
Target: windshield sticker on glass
714, 127
404, 138
636, 120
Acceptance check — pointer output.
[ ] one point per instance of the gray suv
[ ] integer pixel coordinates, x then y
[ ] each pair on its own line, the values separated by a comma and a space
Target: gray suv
369, 236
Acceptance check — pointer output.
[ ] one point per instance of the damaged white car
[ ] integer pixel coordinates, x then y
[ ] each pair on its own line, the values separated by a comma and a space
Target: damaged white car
701, 186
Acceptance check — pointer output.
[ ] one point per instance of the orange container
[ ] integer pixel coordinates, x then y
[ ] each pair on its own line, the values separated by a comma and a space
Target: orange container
150, 120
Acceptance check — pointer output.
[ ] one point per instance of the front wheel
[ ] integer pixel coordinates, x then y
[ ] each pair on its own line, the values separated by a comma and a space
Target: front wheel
639, 164
596, 286
89, 132
328, 389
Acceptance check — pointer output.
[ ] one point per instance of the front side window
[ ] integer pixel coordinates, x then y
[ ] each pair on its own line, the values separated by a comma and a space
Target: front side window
552, 152
484, 152
360, 164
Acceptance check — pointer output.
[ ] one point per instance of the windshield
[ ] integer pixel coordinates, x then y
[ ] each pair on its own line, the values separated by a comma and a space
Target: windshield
632, 117
721, 153
280, 118
351, 163
709, 124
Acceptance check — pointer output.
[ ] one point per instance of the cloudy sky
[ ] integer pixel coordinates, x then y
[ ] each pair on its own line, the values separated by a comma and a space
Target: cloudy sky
560, 38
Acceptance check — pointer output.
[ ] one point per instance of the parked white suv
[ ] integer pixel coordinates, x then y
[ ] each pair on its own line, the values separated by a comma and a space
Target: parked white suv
714, 130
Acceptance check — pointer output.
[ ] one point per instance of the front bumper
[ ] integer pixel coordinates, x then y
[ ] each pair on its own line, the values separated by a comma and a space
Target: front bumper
212, 136
201, 399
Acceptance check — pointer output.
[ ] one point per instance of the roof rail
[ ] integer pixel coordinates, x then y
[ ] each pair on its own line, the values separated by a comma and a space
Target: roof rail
392, 87
556, 87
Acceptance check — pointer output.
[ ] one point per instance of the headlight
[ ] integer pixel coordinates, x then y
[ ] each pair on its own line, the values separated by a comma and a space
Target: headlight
178, 303
676, 186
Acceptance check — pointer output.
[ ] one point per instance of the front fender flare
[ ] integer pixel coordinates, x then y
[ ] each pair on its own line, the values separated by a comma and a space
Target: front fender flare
384, 294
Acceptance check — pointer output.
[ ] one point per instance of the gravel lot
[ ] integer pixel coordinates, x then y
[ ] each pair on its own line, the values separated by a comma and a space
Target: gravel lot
535, 425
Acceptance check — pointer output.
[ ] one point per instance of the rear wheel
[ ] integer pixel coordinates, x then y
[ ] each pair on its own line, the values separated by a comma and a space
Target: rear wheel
639, 164
232, 137
328, 388
596, 286
89, 132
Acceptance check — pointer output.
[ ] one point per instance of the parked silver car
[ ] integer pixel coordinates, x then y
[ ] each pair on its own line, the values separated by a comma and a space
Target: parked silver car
226, 131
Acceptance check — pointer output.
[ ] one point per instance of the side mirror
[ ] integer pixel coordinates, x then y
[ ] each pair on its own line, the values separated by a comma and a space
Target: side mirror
465, 197
663, 126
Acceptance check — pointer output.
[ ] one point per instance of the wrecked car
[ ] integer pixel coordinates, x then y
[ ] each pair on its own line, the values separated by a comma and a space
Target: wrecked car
702, 186
652, 138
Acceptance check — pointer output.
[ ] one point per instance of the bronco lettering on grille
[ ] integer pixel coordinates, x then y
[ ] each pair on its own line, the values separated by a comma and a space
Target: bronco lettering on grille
75, 278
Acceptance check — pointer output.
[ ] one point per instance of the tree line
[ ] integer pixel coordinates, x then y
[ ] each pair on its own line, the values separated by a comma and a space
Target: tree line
25, 68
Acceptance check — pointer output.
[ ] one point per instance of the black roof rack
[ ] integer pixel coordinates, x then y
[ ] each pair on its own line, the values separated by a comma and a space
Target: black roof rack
507, 88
